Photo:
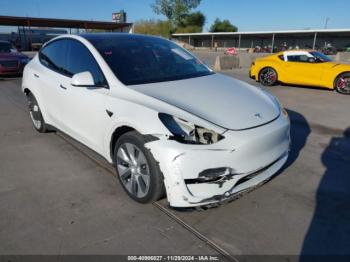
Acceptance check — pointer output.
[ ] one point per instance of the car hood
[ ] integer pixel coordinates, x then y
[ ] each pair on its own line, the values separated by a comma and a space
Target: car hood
11, 56
219, 99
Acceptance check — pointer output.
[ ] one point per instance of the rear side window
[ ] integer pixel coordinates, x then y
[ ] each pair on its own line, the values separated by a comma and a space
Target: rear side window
53, 55
79, 59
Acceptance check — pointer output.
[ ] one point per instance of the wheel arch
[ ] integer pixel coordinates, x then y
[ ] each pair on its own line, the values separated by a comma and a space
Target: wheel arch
273, 68
268, 66
27, 91
337, 76
117, 133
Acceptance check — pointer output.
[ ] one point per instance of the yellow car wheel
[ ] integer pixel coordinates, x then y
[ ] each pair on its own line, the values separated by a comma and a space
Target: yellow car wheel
342, 84
268, 76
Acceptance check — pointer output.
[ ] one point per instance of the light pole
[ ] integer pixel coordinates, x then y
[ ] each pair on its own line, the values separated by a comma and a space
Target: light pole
326, 24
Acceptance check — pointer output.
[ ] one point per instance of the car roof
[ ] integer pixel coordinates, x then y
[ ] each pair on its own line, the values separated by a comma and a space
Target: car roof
95, 37
116, 36
294, 51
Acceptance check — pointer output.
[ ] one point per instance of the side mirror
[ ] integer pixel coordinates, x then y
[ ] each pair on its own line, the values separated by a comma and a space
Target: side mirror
83, 79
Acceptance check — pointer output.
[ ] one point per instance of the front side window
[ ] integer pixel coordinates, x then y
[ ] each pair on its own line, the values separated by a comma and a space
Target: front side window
141, 60
53, 55
79, 59
298, 58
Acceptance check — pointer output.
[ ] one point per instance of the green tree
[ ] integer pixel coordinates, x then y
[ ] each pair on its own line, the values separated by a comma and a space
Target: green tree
174, 10
153, 27
189, 29
223, 26
193, 19
191, 23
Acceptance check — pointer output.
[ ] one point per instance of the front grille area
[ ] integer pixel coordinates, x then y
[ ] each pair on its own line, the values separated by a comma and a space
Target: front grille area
9, 64
258, 172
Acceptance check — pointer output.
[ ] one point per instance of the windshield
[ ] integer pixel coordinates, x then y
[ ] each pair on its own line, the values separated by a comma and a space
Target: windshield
5, 47
140, 59
321, 57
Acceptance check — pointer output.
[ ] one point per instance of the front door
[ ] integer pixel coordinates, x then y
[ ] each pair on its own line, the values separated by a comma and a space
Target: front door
302, 71
85, 106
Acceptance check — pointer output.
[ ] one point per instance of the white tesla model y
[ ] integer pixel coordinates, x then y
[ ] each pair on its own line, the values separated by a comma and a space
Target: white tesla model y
168, 123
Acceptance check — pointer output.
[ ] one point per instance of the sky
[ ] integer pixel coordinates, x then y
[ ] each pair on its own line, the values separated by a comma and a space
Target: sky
248, 15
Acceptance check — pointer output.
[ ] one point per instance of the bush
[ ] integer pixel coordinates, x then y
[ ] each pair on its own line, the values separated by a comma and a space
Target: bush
153, 27
189, 29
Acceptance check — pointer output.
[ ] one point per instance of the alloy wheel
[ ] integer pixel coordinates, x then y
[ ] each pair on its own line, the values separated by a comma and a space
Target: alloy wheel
133, 170
268, 76
343, 85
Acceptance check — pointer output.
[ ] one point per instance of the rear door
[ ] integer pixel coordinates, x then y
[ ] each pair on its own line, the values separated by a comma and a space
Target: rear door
49, 77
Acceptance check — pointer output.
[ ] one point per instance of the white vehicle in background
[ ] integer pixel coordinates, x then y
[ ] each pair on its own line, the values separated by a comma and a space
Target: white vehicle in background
168, 123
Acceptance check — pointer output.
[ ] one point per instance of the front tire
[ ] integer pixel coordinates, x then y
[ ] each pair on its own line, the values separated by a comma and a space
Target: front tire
35, 114
268, 76
342, 84
138, 171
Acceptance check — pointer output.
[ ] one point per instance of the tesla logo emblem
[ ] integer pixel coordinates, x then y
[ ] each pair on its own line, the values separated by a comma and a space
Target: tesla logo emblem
258, 116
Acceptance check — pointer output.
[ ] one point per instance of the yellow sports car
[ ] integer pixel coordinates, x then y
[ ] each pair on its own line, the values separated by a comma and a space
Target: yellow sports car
306, 68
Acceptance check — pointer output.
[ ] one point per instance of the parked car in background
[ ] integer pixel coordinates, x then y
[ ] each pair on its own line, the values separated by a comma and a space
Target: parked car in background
329, 50
12, 61
265, 49
168, 123
308, 68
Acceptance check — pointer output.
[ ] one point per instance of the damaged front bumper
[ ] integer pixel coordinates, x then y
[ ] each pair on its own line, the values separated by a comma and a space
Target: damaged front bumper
196, 175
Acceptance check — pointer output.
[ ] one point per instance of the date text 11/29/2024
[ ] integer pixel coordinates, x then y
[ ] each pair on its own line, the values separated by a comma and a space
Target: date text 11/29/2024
174, 258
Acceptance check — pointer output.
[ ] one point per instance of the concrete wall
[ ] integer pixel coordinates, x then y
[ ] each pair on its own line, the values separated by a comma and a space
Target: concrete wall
343, 57
246, 59
224, 62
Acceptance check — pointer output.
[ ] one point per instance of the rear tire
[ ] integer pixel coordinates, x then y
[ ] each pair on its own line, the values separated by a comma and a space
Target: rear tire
342, 84
137, 170
35, 114
268, 76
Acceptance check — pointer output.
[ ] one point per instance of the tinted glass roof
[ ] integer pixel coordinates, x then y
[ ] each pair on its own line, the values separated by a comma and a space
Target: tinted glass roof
141, 59
116, 36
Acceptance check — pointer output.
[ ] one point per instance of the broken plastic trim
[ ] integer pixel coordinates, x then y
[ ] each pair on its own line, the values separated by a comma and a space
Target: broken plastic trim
229, 196
213, 176
150, 138
188, 133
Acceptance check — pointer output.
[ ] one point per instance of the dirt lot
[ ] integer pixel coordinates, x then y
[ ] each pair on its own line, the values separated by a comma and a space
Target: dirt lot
57, 197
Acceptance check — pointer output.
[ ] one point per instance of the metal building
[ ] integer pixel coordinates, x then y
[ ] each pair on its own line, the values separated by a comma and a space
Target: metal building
338, 38
33, 31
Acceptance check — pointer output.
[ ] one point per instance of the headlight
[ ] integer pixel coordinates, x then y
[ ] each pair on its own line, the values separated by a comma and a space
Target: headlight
187, 132
285, 113
281, 108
